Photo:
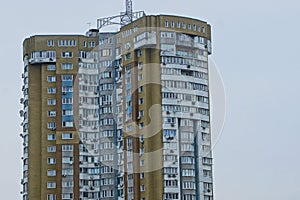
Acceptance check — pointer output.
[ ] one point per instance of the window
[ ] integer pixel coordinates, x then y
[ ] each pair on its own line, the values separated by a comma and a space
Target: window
142, 188
50, 43
194, 27
51, 67
67, 124
51, 113
139, 52
51, 90
67, 112
207, 197
51, 161
178, 24
140, 77
207, 173
106, 75
51, 125
66, 43
51, 101
188, 172
67, 160
141, 101
141, 113
140, 65
106, 52
67, 196
51, 79
127, 45
142, 175
183, 25
127, 56
141, 125
67, 100
166, 24
51, 196
66, 172
51, 149
203, 29
91, 44
140, 90
67, 136
67, 147
142, 151
67, 54
189, 26
207, 186
67, 66
51, 172
172, 24
67, 89
51, 185
67, 77
51, 136
142, 162
67, 184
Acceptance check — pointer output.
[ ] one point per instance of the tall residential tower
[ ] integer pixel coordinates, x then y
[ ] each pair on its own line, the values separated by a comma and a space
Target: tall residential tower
119, 115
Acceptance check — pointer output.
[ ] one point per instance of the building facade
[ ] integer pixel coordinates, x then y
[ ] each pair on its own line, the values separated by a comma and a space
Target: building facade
120, 115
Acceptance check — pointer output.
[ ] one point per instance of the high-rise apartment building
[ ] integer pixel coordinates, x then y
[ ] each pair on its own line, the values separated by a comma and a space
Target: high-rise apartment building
120, 115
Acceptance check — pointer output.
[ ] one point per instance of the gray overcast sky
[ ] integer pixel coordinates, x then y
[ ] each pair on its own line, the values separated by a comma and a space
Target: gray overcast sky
256, 48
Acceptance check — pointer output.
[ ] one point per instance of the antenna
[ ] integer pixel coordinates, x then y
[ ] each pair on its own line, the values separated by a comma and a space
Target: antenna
123, 19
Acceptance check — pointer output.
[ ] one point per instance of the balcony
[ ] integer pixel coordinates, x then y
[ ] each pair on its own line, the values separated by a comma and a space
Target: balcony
148, 41
33, 61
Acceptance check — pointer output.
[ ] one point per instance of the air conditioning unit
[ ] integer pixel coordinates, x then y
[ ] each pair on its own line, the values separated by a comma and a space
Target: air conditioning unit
64, 175
172, 124
23, 75
168, 112
71, 162
188, 66
193, 102
139, 117
191, 114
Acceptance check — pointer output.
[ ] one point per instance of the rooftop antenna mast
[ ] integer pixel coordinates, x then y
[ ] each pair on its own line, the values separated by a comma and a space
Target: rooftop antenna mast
123, 18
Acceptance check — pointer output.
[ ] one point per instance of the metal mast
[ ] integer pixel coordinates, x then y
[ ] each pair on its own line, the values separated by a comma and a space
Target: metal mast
123, 18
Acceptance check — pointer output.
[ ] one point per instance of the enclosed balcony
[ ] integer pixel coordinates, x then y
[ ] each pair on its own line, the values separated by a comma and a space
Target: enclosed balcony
145, 40
38, 57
